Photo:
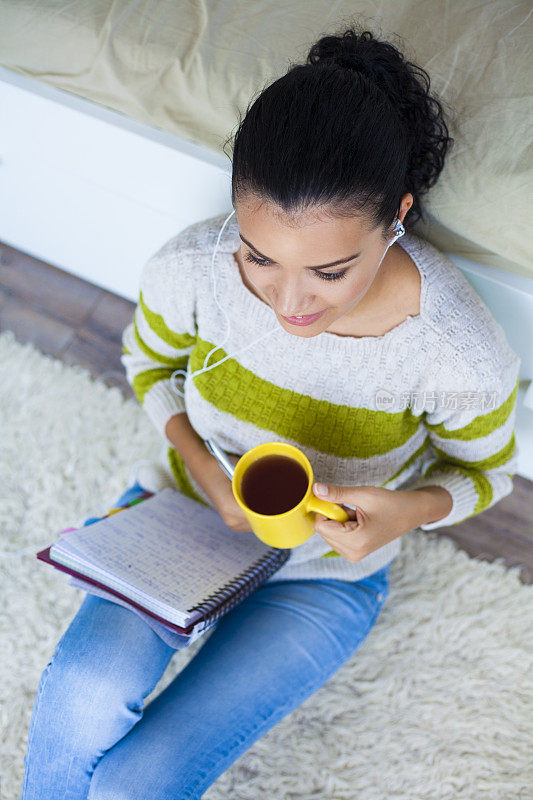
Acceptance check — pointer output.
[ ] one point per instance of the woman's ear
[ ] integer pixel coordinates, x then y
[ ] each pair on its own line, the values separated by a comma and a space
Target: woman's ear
405, 204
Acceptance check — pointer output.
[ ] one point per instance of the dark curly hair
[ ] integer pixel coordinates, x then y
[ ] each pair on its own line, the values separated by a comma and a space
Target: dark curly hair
351, 130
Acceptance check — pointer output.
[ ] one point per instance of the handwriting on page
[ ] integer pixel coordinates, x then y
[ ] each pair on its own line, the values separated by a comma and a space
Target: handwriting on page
168, 547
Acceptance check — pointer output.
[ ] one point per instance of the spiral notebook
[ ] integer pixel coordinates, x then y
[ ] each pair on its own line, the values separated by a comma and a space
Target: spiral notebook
169, 556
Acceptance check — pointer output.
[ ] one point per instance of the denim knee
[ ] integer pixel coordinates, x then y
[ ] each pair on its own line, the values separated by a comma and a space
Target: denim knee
83, 704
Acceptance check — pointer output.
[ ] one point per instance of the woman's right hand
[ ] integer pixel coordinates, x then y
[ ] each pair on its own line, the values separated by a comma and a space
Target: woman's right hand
217, 485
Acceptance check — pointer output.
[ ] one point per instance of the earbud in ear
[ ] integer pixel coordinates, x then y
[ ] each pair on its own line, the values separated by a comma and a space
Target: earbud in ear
398, 227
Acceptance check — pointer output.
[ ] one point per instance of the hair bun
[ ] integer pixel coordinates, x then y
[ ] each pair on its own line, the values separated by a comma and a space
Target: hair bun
352, 51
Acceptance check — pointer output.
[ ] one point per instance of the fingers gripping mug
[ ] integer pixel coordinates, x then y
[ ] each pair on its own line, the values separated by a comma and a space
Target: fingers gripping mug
273, 484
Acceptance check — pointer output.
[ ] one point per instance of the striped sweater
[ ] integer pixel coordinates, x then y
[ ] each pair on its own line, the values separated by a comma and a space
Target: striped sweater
430, 402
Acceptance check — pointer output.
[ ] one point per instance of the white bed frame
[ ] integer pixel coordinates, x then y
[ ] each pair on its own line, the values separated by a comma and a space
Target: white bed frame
95, 192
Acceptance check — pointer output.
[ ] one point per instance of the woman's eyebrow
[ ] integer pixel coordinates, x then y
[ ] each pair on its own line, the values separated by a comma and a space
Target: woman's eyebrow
322, 266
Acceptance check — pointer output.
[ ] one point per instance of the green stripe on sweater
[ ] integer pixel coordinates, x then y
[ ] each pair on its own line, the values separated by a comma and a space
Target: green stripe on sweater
491, 462
152, 354
481, 425
481, 483
156, 322
340, 430
143, 381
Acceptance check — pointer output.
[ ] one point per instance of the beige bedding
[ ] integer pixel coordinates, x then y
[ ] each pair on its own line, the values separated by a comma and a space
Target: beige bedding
189, 67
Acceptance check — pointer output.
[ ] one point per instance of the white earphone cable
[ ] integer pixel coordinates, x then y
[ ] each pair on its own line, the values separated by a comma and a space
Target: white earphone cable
188, 374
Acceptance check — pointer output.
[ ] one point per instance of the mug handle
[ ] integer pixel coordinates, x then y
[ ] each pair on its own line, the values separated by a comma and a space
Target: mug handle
329, 509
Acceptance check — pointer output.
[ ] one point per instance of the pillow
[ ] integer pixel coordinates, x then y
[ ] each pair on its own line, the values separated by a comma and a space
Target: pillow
174, 67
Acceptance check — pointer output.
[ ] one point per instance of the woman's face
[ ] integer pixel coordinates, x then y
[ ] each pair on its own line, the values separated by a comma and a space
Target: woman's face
286, 264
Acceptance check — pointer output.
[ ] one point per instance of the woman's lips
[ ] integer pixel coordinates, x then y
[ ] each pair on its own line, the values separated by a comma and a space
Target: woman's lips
303, 320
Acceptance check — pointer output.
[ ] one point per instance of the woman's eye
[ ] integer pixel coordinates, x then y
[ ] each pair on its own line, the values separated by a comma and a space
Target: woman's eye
250, 257
332, 276
326, 276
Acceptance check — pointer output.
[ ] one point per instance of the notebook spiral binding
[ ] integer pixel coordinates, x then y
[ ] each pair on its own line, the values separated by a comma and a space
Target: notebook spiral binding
215, 605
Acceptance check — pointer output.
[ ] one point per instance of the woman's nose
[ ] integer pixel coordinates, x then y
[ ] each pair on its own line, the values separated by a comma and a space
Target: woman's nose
291, 300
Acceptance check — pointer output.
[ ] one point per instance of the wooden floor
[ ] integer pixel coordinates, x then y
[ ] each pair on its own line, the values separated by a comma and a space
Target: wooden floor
80, 323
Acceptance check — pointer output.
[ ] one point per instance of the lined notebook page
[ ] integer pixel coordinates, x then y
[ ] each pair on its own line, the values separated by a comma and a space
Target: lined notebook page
168, 552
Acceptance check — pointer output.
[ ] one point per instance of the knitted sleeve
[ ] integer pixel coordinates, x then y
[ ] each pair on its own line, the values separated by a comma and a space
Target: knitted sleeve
163, 331
474, 452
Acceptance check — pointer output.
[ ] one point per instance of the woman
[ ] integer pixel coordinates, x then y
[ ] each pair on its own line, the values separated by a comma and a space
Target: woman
400, 389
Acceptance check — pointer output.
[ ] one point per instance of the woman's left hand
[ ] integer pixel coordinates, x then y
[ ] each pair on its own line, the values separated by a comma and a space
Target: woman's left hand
381, 515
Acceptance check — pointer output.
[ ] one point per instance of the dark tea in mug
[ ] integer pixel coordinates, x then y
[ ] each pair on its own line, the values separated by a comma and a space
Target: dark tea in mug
274, 484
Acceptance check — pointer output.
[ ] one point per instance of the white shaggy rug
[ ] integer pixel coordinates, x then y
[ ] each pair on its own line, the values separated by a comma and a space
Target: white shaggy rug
437, 704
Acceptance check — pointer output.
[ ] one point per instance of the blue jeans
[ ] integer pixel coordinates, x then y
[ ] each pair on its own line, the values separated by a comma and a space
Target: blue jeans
90, 736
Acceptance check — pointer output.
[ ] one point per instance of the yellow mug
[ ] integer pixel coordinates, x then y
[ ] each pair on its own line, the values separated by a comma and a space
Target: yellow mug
295, 526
